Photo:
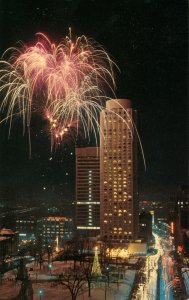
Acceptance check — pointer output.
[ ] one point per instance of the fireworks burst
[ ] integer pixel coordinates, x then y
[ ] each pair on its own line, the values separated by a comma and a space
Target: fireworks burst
66, 80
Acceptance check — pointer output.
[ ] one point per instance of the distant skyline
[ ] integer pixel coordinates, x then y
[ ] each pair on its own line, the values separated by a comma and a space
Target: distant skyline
148, 41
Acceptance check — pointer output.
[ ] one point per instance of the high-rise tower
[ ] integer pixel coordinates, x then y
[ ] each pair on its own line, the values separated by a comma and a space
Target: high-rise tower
88, 191
118, 169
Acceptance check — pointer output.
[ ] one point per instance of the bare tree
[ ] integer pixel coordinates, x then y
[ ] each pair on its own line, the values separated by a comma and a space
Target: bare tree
87, 270
105, 252
78, 249
73, 280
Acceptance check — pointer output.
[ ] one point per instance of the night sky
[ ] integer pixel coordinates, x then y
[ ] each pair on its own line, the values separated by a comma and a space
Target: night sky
147, 39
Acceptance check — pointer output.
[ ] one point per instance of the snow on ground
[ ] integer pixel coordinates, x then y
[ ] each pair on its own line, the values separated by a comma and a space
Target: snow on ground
133, 261
46, 273
43, 279
9, 289
99, 291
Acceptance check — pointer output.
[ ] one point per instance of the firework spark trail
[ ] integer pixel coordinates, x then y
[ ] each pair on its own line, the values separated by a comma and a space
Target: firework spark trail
17, 97
131, 127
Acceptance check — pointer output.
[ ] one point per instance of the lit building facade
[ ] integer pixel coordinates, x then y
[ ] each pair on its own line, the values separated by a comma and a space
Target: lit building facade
26, 226
118, 170
88, 191
56, 227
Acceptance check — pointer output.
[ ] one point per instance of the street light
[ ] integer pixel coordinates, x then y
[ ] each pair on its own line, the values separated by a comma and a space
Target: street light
40, 293
107, 270
105, 291
50, 267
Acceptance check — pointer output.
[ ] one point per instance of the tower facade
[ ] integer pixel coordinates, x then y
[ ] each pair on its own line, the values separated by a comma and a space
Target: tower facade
88, 191
118, 170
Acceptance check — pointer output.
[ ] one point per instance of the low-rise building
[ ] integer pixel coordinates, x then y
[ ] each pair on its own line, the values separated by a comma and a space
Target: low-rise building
181, 220
5, 247
9, 240
26, 225
56, 229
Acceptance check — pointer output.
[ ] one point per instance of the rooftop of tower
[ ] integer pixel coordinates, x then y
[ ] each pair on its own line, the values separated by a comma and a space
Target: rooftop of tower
118, 103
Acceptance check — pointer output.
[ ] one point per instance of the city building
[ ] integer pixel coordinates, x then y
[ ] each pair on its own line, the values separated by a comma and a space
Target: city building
118, 172
5, 247
55, 229
27, 227
181, 219
158, 209
9, 240
145, 226
88, 191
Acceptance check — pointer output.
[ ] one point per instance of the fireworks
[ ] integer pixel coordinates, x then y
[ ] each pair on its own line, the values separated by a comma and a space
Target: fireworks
65, 82
61, 132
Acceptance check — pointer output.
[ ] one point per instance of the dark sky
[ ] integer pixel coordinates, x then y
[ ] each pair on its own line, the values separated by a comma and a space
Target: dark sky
148, 41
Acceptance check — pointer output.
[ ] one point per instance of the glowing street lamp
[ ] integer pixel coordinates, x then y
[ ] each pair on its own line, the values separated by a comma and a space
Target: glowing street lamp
107, 270
50, 268
40, 292
49, 252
